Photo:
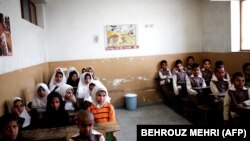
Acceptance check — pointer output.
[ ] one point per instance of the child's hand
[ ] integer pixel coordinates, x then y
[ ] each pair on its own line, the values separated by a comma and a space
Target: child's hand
27, 109
73, 98
16, 111
240, 105
244, 104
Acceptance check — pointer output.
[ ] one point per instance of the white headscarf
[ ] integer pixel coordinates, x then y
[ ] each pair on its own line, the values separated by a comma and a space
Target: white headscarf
83, 89
53, 83
97, 82
70, 70
62, 90
40, 102
94, 93
24, 113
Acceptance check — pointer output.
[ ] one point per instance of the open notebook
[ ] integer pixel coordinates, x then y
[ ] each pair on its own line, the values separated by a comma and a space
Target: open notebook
247, 102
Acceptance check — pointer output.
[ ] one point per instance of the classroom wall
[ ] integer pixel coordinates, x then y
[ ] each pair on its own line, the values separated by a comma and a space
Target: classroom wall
70, 26
233, 61
216, 26
180, 28
127, 74
124, 78
22, 83
28, 40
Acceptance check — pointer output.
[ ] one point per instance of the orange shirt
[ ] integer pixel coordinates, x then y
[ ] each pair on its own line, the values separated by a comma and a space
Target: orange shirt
103, 114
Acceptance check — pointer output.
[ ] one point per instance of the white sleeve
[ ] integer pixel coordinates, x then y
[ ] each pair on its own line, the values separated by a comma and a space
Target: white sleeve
162, 76
228, 78
176, 91
229, 84
226, 108
169, 72
249, 93
203, 83
213, 88
102, 138
189, 87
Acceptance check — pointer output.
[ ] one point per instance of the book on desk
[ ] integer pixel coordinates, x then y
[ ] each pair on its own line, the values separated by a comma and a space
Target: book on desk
247, 102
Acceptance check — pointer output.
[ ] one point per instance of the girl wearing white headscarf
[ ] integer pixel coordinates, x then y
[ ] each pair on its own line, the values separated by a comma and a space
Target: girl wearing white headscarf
94, 83
73, 78
58, 78
40, 96
83, 87
17, 106
66, 91
101, 107
70, 70
91, 71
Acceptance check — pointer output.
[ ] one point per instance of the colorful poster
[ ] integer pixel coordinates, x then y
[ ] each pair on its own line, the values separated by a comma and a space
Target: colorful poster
121, 37
5, 36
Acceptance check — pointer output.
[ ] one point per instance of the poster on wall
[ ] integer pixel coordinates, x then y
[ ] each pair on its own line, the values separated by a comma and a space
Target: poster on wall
121, 37
5, 36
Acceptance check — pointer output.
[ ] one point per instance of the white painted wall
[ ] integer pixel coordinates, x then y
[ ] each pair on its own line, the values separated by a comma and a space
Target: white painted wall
178, 26
216, 26
28, 40
71, 24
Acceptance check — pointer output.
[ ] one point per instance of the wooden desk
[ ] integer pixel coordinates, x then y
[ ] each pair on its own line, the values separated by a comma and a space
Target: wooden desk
244, 113
245, 108
72, 113
201, 88
68, 131
219, 94
51, 133
108, 128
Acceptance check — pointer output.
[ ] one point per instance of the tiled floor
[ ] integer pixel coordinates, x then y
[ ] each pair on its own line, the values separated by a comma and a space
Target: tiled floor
158, 114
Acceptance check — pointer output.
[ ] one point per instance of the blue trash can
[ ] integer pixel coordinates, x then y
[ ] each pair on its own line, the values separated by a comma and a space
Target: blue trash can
131, 101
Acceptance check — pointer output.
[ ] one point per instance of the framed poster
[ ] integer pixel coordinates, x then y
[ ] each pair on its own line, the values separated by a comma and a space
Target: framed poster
121, 37
5, 36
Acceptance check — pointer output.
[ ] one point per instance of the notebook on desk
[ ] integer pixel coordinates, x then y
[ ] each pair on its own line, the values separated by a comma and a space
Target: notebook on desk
247, 102
203, 90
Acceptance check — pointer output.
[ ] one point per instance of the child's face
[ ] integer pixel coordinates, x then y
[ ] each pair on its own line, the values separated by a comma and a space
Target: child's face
58, 78
239, 82
247, 71
41, 92
179, 67
55, 103
74, 77
69, 94
10, 130
83, 70
18, 106
164, 65
190, 61
87, 79
220, 74
1, 28
90, 70
206, 65
196, 71
85, 126
100, 97
91, 87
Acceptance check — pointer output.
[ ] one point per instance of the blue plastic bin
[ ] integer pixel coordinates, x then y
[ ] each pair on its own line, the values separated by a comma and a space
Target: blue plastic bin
131, 101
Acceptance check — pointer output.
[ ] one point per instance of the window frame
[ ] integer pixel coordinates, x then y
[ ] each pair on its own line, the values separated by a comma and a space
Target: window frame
241, 28
30, 5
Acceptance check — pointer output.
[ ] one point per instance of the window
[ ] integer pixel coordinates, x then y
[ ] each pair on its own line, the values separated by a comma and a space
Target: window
245, 25
29, 11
